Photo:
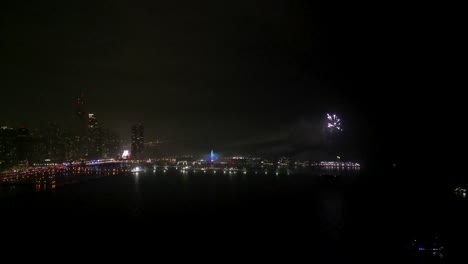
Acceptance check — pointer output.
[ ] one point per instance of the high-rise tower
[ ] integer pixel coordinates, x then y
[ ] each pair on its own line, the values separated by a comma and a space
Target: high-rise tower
80, 126
94, 138
137, 141
81, 114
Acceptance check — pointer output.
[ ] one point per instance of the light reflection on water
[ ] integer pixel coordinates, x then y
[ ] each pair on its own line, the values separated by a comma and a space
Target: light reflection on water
269, 175
316, 196
51, 179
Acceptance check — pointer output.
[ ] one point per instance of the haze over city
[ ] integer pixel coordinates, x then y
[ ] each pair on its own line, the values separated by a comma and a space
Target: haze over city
229, 73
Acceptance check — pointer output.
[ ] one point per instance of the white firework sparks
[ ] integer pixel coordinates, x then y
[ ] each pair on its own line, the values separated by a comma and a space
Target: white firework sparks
334, 123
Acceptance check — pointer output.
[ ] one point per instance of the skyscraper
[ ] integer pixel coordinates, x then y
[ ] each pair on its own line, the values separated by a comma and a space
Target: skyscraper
80, 126
94, 138
137, 141
81, 115
54, 136
7, 147
24, 143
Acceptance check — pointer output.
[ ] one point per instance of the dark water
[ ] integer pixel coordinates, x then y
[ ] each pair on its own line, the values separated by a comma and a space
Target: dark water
349, 218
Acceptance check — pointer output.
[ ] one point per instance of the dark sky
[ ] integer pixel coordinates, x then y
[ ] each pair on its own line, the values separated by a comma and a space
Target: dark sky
210, 74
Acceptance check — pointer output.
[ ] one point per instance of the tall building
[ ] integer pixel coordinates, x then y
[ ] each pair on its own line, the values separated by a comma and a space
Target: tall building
24, 146
73, 147
52, 143
94, 144
80, 126
7, 147
81, 115
54, 136
39, 145
137, 141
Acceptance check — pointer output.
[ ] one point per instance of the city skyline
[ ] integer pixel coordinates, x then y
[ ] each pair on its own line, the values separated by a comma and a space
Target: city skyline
94, 144
229, 73
309, 138
257, 72
138, 141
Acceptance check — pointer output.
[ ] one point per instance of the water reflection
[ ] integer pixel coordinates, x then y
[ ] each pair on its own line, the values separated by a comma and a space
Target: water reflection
331, 207
185, 176
40, 179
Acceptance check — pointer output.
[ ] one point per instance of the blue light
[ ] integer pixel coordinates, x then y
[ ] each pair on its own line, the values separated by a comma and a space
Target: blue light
212, 156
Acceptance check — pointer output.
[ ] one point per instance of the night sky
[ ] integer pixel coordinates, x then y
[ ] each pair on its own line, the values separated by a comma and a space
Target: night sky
208, 74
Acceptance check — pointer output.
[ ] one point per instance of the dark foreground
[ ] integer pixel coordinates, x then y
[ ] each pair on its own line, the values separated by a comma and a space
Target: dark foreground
312, 217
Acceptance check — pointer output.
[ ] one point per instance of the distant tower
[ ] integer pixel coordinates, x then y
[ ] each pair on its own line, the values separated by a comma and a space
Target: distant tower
24, 142
7, 147
94, 138
80, 126
81, 114
212, 156
137, 141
